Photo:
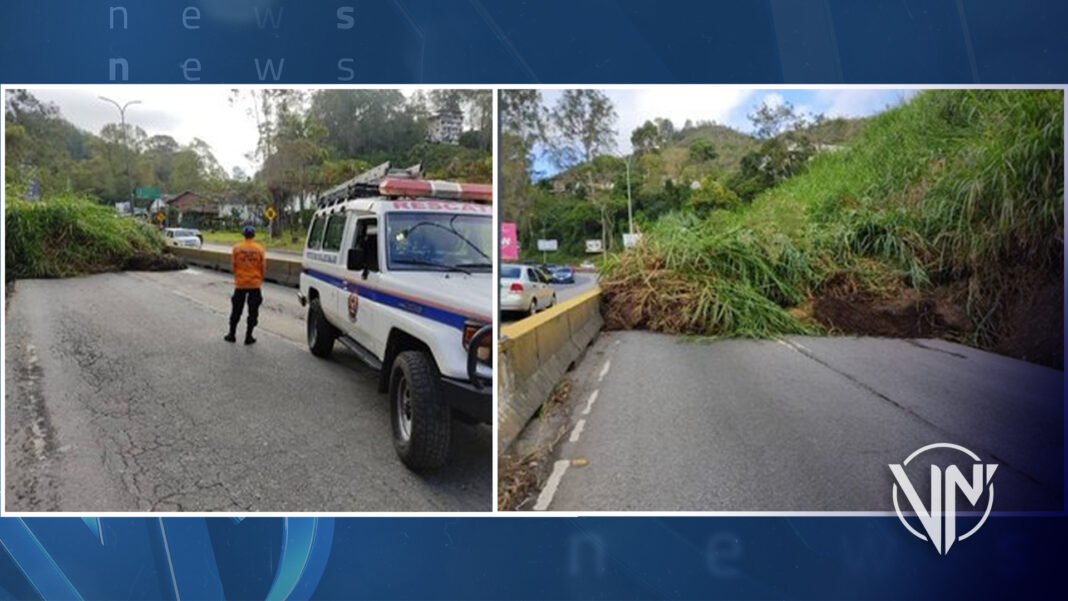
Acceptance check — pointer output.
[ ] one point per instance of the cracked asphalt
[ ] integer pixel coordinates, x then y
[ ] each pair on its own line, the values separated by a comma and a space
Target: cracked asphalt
122, 396
800, 424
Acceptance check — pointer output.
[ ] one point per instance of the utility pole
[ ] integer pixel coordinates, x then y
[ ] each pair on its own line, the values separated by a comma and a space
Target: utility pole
126, 146
630, 210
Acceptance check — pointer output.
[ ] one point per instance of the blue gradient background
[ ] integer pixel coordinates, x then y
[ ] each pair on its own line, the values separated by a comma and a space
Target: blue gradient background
549, 41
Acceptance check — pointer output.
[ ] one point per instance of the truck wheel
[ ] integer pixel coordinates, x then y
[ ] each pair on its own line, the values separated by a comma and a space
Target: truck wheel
421, 419
320, 333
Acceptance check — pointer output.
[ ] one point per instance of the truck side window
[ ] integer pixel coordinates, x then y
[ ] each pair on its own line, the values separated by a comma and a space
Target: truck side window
367, 239
335, 231
315, 237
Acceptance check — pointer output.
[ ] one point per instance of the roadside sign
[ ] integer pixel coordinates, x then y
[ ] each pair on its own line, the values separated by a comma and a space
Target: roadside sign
161, 217
147, 193
547, 245
509, 242
594, 246
631, 240
270, 214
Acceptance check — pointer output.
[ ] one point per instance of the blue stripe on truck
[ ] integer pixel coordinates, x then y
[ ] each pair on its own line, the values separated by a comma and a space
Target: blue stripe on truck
438, 314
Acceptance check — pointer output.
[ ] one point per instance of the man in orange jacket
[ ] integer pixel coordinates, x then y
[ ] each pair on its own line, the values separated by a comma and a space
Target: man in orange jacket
249, 263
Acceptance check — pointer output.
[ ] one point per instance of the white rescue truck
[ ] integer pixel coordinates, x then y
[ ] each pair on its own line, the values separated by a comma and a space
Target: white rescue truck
398, 269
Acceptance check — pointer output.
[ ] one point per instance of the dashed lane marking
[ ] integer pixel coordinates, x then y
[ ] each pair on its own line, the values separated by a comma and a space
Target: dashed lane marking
604, 370
545, 498
577, 430
590, 402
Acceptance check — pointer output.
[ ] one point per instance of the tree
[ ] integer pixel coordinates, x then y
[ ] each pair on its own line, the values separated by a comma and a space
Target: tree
702, 149
646, 138
712, 194
583, 123
523, 127
666, 128
770, 120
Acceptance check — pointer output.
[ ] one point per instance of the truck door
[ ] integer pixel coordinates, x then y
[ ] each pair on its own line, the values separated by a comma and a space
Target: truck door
364, 314
332, 240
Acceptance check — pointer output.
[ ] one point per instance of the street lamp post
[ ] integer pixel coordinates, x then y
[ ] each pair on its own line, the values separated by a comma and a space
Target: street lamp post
125, 144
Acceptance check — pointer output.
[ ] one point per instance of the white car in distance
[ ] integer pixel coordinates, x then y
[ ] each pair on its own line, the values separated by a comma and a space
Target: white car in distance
188, 238
525, 288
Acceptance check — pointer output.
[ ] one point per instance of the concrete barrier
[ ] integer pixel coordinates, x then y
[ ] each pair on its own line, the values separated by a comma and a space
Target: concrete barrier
533, 354
283, 271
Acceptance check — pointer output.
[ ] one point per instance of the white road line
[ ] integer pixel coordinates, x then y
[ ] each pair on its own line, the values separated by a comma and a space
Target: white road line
577, 430
589, 403
786, 344
604, 370
545, 498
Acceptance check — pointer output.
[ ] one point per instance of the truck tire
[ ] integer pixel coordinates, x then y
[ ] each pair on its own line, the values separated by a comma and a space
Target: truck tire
321, 334
421, 419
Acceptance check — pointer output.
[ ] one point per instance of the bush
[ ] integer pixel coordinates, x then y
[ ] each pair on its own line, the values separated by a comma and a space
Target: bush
955, 188
70, 235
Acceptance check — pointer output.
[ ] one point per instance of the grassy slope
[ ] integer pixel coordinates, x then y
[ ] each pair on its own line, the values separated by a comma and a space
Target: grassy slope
954, 186
68, 236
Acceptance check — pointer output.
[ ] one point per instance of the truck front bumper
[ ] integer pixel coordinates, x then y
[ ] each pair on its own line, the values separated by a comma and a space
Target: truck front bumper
467, 400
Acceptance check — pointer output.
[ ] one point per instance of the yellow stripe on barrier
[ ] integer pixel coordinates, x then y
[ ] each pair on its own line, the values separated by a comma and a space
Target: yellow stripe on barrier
525, 325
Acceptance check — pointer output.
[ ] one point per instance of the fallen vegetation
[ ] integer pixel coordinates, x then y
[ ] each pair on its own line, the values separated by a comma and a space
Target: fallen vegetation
943, 217
70, 235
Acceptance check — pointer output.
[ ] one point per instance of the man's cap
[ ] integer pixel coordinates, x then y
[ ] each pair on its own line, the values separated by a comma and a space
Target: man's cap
248, 231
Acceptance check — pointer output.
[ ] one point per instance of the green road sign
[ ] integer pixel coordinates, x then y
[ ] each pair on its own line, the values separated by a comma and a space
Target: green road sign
147, 193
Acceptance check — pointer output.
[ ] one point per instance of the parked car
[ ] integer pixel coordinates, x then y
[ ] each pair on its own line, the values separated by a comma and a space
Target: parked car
563, 274
525, 288
588, 265
188, 238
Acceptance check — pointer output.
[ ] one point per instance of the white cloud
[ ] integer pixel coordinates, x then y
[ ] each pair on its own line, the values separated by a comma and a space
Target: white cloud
182, 112
858, 103
774, 100
677, 103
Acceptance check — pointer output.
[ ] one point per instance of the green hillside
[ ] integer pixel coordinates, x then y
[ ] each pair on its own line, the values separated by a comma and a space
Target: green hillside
942, 217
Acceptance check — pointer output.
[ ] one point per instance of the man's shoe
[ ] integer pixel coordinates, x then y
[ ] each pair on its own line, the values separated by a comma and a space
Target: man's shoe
230, 338
250, 340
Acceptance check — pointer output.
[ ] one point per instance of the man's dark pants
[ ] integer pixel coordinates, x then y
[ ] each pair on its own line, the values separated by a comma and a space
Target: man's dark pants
237, 304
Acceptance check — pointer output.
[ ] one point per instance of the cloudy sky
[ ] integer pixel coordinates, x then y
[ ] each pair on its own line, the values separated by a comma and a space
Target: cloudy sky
726, 105
182, 112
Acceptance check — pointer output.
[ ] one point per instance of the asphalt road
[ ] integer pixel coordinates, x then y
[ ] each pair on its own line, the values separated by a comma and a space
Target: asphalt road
803, 424
584, 282
122, 396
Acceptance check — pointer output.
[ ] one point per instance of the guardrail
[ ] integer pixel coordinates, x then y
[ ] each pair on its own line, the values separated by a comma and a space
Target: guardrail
533, 354
280, 271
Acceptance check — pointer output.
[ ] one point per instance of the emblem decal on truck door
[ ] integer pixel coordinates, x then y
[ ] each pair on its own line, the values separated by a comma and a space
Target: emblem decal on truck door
354, 304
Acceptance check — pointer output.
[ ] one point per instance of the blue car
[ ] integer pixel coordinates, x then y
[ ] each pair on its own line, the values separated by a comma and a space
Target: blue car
563, 274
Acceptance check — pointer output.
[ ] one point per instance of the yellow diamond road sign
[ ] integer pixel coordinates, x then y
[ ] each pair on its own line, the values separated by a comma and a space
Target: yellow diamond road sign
270, 213
160, 217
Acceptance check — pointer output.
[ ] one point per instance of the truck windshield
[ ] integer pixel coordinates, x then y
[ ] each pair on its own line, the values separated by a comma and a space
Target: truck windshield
439, 242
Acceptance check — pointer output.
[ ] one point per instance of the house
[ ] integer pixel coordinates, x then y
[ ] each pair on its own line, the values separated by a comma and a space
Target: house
189, 209
445, 127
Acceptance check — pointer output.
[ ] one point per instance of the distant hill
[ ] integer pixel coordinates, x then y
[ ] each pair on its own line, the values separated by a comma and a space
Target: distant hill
675, 160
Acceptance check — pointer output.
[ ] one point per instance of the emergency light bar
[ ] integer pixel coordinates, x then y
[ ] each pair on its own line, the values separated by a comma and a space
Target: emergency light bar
403, 183
417, 188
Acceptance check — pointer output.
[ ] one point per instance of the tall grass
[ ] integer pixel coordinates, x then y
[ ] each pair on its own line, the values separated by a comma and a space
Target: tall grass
70, 235
951, 187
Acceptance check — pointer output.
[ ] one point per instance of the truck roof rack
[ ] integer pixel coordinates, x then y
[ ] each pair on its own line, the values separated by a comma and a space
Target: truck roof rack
390, 183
